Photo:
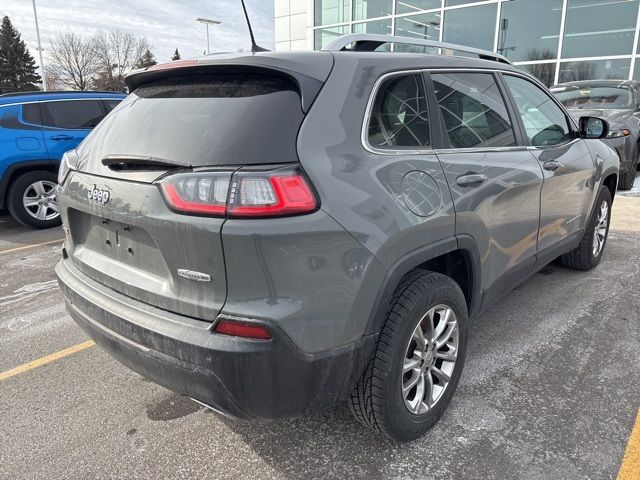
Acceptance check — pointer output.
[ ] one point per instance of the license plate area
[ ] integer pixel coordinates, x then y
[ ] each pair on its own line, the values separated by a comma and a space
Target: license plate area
121, 242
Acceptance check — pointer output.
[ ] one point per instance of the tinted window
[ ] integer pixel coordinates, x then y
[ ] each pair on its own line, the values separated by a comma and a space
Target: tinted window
31, 113
111, 104
425, 26
597, 28
399, 115
595, 70
412, 6
328, 12
213, 119
72, 114
473, 110
363, 9
529, 30
544, 121
473, 26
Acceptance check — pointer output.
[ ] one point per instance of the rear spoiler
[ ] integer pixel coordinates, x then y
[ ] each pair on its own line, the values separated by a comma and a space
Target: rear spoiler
309, 74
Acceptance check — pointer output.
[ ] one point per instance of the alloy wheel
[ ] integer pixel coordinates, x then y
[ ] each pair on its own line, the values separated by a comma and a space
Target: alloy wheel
600, 233
40, 200
430, 359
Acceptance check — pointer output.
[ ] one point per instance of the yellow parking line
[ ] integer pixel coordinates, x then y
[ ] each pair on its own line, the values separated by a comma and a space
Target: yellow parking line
630, 469
17, 249
48, 359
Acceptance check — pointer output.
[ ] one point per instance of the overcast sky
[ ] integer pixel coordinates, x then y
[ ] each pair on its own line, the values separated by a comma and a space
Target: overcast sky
167, 24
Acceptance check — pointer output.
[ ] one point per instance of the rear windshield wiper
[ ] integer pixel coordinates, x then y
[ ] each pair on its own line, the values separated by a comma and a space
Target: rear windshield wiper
139, 162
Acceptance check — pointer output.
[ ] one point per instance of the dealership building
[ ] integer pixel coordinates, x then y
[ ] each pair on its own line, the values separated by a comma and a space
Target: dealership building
556, 40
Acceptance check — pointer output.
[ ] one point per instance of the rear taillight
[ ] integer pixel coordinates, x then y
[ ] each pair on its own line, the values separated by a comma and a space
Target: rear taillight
244, 195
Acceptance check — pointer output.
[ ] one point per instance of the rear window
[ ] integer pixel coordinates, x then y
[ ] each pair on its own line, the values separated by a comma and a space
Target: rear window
216, 119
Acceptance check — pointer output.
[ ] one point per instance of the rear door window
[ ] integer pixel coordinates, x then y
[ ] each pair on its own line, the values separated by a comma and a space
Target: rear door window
72, 114
473, 110
31, 113
399, 115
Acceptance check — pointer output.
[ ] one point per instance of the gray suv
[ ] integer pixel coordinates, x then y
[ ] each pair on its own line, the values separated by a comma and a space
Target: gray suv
272, 234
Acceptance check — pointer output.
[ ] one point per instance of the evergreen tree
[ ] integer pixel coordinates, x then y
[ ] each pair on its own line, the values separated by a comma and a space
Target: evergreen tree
17, 66
146, 60
176, 56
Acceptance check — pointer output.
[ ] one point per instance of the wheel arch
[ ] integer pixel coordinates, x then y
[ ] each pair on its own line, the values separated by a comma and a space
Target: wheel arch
14, 170
610, 180
456, 257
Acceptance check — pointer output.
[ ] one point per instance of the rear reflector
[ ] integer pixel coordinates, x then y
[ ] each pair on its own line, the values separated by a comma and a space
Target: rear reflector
240, 329
253, 194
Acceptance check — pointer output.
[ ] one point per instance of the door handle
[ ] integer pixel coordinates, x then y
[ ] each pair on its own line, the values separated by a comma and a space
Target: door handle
62, 137
471, 179
551, 165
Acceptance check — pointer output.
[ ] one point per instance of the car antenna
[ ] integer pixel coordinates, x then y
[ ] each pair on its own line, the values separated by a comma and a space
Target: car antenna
254, 47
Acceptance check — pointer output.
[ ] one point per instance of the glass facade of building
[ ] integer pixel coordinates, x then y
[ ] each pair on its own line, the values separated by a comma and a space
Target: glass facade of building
555, 40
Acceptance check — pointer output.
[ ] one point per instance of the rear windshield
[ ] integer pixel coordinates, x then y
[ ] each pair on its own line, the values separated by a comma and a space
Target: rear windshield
598, 97
221, 119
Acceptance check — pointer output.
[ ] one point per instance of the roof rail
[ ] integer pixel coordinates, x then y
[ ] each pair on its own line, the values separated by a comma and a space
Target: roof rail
55, 92
368, 42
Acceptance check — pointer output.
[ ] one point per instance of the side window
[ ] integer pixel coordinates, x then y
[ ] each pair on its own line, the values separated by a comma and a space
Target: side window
72, 114
473, 110
31, 113
544, 121
399, 116
111, 104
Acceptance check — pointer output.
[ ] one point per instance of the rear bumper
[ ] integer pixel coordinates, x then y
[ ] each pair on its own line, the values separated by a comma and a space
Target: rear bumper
238, 377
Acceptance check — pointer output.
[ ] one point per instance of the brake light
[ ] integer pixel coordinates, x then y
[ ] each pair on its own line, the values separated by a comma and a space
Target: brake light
241, 329
276, 195
245, 195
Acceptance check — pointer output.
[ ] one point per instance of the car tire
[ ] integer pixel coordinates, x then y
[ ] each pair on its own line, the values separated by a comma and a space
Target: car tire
586, 256
424, 300
628, 179
32, 200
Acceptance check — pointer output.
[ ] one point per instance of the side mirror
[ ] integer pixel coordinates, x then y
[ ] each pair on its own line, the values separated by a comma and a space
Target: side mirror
593, 127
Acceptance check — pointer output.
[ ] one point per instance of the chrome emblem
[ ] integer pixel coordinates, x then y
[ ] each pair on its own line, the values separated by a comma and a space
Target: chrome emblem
98, 196
191, 275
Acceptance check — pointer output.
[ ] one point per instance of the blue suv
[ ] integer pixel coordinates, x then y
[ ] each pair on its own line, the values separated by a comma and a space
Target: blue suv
36, 128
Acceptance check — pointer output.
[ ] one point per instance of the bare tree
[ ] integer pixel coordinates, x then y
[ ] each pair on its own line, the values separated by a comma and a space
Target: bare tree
72, 61
117, 51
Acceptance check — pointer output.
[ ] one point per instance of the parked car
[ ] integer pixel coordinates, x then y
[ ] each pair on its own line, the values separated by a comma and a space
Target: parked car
616, 101
36, 128
272, 234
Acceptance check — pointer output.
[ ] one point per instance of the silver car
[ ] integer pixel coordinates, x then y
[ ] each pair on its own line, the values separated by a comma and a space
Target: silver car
618, 102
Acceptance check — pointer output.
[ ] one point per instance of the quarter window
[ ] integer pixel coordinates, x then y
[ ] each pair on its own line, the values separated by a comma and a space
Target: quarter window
31, 113
111, 104
474, 112
544, 121
399, 115
73, 114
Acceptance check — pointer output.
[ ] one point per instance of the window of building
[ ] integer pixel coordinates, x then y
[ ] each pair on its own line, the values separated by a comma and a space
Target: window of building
451, 3
328, 12
413, 6
473, 26
399, 116
425, 26
545, 72
363, 9
544, 121
324, 36
72, 114
529, 30
473, 110
598, 28
595, 70
382, 27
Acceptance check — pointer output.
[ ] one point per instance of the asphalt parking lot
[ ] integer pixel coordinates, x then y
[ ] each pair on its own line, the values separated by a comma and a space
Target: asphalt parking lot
551, 389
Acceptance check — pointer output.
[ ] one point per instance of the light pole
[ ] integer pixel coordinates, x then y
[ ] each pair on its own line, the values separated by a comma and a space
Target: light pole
207, 22
35, 15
